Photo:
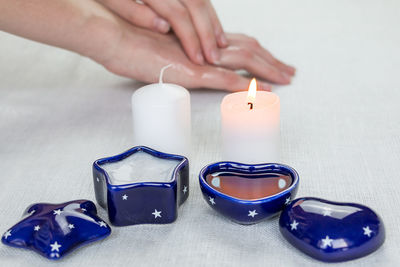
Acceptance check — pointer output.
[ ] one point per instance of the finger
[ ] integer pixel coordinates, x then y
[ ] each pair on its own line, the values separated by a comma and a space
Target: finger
139, 15
254, 45
179, 18
221, 78
219, 31
199, 12
242, 58
266, 55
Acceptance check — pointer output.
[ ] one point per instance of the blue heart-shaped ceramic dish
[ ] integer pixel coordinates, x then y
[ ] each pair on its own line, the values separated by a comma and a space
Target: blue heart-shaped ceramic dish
266, 195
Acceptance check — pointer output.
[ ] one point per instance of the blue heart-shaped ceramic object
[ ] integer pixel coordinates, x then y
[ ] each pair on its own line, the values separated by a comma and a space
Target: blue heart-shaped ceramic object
246, 196
331, 231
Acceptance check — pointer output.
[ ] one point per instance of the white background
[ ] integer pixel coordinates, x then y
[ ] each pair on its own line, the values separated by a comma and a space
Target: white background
340, 129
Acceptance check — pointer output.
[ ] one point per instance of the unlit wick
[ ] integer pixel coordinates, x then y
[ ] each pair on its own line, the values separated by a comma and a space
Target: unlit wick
160, 79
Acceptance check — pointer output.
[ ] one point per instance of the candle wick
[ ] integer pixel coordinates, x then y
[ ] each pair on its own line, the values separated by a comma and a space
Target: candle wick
251, 105
162, 72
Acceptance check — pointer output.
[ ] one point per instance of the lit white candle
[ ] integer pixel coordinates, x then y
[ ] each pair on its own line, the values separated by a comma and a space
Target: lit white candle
250, 126
161, 117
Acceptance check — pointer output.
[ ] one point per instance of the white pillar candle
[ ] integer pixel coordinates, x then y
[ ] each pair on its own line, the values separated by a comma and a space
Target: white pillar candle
250, 126
161, 117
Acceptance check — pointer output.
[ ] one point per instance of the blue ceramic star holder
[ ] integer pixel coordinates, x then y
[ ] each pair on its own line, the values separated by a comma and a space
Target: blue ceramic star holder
53, 230
143, 202
248, 211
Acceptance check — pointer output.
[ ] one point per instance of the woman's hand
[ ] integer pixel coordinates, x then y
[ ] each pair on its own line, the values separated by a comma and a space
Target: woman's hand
194, 22
140, 54
90, 29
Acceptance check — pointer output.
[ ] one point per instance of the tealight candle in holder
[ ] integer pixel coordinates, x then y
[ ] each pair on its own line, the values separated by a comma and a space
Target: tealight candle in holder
141, 185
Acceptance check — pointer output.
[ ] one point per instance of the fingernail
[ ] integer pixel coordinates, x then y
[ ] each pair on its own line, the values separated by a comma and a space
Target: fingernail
214, 56
200, 58
293, 70
289, 70
222, 39
161, 25
285, 78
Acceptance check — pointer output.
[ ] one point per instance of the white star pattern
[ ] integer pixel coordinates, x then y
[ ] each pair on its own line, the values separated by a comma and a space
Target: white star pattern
367, 231
57, 212
211, 199
97, 179
287, 201
54, 255
125, 197
252, 213
7, 234
293, 225
36, 228
156, 213
102, 224
71, 226
326, 242
55, 246
184, 189
327, 212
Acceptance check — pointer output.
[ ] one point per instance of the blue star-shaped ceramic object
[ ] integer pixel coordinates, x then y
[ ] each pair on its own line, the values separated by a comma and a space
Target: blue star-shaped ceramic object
53, 230
142, 202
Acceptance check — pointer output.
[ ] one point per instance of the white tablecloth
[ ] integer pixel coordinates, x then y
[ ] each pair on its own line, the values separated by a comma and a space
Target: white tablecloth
340, 130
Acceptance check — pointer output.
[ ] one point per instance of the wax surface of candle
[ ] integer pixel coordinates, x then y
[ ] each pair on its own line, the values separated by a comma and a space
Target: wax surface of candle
140, 167
245, 186
250, 135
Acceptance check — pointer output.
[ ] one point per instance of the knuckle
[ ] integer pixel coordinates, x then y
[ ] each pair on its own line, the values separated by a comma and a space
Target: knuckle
231, 79
180, 12
246, 54
199, 3
209, 36
253, 42
195, 3
241, 36
131, 16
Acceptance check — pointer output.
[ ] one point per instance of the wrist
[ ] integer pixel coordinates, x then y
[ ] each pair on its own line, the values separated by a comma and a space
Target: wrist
85, 27
100, 36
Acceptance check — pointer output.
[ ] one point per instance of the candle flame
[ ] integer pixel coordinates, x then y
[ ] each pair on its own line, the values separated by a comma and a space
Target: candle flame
251, 96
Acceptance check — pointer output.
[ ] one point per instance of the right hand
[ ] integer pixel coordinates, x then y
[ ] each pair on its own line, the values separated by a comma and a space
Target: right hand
194, 22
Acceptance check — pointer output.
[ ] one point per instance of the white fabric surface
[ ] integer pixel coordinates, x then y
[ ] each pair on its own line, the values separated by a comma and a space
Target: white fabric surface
340, 130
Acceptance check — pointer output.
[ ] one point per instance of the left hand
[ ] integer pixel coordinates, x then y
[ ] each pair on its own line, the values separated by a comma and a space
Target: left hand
140, 54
